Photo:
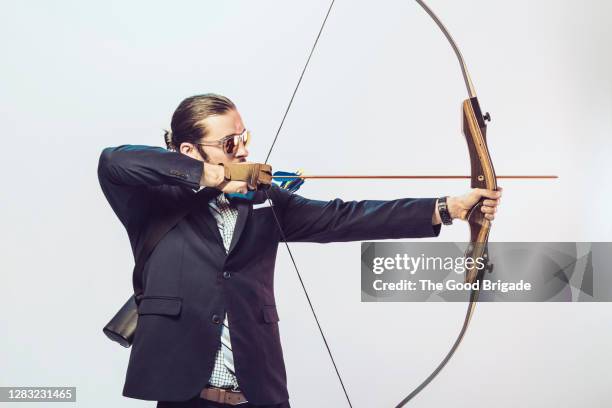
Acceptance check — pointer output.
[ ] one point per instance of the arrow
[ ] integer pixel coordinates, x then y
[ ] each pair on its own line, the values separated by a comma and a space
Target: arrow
395, 177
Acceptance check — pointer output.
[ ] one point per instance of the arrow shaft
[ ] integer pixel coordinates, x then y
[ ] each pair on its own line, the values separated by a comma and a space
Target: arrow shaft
395, 177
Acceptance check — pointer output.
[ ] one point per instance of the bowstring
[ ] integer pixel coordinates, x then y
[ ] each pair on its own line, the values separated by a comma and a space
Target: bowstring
277, 221
299, 80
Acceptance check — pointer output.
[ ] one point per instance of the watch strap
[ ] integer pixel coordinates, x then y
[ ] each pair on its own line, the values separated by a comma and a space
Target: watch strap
443, 210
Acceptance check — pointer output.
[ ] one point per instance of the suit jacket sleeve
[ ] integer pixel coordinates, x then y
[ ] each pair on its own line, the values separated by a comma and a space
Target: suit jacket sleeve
129, 174
305, 220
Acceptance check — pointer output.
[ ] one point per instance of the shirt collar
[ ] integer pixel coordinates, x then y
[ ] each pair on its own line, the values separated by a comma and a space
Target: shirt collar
221, 197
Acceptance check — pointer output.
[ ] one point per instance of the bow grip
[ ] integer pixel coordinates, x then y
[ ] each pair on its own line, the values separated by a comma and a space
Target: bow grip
482, 171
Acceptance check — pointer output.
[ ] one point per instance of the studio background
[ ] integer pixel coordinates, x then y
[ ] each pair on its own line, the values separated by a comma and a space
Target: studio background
381, 96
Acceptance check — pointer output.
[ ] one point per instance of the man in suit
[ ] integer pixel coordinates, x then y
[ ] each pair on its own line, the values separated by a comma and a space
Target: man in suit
207, 333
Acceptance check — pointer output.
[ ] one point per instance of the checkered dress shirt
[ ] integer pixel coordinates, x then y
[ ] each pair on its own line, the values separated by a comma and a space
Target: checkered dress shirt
225, 215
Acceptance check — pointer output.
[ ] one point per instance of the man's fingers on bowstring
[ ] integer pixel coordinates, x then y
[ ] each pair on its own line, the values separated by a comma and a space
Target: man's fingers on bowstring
264, 178
265, 168
265, 175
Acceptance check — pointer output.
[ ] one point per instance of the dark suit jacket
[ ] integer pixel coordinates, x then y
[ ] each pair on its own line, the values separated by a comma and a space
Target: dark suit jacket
190, 282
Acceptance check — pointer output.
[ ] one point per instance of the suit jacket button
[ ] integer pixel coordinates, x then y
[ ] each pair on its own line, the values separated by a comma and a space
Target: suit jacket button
227, 275
216, 319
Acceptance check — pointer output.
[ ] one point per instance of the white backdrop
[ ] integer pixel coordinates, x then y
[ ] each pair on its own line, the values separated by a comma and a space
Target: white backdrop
382, 96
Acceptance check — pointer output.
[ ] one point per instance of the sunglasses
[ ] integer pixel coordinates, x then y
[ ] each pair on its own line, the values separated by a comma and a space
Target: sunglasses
230, 143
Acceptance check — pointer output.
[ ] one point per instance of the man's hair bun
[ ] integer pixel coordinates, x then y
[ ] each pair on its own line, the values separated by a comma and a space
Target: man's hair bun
168, 140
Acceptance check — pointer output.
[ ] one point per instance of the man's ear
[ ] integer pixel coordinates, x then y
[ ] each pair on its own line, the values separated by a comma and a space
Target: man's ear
186, 148
190, 150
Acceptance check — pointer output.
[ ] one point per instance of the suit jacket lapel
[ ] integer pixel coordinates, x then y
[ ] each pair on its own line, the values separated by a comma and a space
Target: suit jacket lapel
244, 211
203, 197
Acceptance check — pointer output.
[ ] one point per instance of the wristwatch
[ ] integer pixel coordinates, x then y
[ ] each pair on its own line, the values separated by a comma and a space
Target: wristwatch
443, 210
